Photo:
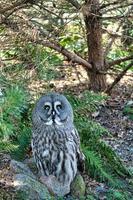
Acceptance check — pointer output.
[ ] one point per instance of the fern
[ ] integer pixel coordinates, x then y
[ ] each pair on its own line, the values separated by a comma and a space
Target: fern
101, 161
7, 146
12, 104
14, 130
112, 159
95, 166
23, 140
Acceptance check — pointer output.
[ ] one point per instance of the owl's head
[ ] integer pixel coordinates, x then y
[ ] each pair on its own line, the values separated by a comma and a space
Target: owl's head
53, 109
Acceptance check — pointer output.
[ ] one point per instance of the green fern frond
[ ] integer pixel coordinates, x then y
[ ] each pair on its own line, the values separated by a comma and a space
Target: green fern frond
7, 146
12, 104
95, 166
23, 140
112, 159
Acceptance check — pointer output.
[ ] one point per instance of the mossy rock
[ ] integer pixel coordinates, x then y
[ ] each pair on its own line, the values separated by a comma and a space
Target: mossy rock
78, 187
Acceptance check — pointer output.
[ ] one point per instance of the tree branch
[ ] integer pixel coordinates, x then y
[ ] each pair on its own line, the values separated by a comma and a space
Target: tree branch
120, 60
51, 43
118, 78
70, 55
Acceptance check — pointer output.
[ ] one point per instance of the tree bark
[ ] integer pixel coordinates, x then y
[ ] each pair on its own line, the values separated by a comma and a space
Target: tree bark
94, 41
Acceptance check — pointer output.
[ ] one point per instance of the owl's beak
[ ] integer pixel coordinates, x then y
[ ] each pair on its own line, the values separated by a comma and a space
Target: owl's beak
53, 115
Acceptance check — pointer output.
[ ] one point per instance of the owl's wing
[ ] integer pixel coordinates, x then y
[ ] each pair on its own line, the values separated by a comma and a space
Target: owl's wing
80, 155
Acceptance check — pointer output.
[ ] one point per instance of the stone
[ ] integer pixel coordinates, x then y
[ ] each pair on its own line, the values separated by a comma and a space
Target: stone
54, 186
21, 168
30, 189
32, 165
78, 187
30, 186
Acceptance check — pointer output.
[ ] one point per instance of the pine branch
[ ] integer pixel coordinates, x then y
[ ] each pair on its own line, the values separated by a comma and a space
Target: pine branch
118, 6
127, 12
12, 6
111, 4
119, 61
75, 4
117, 17
111, 42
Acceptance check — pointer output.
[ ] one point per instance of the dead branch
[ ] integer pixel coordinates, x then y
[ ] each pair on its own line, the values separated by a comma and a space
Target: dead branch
120, 60
8, 11
119, 77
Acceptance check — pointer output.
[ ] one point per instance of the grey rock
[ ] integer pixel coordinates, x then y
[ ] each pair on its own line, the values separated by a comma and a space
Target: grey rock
19, 167
32, 165
54, 186
30, 186
30, 189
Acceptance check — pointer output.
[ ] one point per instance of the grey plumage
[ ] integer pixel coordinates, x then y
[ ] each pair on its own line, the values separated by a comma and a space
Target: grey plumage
55, 141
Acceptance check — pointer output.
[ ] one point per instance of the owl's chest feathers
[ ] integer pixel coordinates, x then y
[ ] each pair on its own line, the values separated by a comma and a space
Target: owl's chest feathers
55, 152
50, 139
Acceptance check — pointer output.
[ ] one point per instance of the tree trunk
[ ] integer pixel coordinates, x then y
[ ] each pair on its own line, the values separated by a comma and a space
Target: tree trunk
94, 41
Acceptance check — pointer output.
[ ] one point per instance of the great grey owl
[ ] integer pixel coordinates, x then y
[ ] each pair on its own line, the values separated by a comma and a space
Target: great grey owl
55, 141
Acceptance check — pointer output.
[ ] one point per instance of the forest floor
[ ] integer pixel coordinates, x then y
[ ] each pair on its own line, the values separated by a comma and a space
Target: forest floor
120, 126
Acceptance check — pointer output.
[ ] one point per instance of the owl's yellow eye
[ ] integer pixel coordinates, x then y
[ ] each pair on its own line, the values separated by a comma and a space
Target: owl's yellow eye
46, 107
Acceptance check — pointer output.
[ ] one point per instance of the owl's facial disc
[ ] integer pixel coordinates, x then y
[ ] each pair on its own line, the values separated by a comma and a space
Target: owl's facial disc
47, 111
60, 116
